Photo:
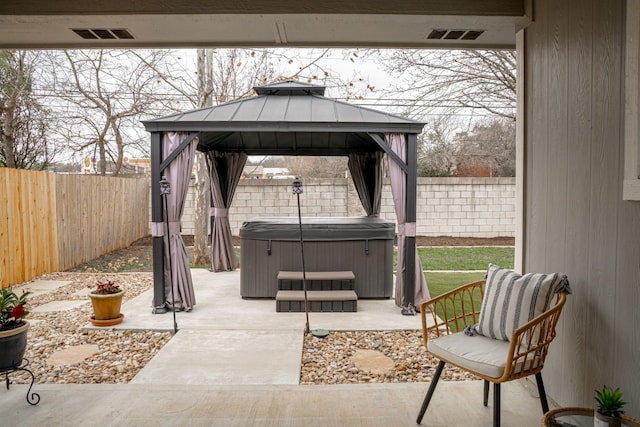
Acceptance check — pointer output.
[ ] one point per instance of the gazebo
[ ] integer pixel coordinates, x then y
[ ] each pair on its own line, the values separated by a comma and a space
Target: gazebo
284, 118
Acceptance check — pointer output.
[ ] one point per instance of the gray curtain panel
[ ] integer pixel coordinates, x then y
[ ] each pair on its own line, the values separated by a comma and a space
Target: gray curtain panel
177, 272
367, 174
398, 143
225, 170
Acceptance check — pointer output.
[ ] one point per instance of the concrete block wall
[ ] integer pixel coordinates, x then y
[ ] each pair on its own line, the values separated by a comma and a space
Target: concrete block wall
274, 197
466, 207
455, 207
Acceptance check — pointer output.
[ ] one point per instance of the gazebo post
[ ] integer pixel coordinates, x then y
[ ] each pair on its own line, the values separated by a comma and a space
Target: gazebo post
157, 218
410, 206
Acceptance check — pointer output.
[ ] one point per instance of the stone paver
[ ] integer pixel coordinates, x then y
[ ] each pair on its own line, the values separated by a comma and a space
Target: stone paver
58, 306
72, 355
372, 361
39, 287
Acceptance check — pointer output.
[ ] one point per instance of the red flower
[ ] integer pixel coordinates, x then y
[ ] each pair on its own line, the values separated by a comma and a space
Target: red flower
17, 312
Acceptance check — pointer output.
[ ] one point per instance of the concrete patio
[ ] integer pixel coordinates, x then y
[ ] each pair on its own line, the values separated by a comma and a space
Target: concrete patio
236, 362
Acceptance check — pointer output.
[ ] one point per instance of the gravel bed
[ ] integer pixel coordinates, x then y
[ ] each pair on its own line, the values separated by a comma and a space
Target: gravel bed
121, 354
329, 360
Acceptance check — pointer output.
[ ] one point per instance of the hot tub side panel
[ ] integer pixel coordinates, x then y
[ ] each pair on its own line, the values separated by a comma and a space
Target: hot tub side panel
370, 260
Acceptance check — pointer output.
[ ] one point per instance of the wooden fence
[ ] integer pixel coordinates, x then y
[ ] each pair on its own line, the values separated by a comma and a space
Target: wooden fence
51, 222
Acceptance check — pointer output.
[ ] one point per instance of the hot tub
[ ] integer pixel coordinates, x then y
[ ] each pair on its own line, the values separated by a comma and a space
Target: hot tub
363, 245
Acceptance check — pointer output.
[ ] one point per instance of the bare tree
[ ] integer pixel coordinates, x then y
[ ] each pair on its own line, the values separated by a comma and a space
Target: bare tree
456, 83
449, 80
107, 92
487, 149
490, 145
437, 149
202, 199
318, 166
24, 121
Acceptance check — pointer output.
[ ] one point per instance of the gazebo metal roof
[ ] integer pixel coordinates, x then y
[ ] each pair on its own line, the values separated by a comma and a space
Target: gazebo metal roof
286, 118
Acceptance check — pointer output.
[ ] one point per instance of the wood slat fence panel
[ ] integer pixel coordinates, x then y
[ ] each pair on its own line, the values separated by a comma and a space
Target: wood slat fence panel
51, 222
28, 233
98, 215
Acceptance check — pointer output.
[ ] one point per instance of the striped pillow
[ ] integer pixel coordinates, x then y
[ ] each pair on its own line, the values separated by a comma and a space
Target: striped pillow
511, 300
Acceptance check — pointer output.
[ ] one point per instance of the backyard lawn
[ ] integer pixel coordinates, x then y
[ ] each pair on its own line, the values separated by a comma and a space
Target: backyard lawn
439, 283
465, 258
448, 268
457, 266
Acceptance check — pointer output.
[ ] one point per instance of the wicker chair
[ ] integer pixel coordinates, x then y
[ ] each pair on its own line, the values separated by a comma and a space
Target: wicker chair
492, 360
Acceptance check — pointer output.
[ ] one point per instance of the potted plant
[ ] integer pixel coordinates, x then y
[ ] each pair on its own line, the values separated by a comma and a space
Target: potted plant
609, 407
106, 300
13, 329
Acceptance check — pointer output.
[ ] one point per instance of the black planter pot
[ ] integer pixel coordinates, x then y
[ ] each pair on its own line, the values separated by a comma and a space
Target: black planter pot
13, 344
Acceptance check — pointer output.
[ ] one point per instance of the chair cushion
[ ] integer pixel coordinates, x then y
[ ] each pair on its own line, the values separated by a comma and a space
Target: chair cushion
477, 354
480, 354
511, 300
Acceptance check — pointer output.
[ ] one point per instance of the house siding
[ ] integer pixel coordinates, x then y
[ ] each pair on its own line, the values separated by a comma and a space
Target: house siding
575, 218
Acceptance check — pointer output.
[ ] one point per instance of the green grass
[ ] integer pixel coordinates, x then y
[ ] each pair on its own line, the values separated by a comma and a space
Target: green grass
465, 258
460, 259
439, 283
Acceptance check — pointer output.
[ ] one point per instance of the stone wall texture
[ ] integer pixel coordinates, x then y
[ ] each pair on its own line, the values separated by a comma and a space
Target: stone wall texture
455, 207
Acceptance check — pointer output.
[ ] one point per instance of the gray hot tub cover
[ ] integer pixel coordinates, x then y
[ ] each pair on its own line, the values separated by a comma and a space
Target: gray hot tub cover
318, 228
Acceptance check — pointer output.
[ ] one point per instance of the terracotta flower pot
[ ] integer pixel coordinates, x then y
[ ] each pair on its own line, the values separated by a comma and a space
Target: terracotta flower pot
13, 344
106, 308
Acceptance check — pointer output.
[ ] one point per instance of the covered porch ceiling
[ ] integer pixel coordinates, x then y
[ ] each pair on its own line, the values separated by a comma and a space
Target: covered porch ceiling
273, 23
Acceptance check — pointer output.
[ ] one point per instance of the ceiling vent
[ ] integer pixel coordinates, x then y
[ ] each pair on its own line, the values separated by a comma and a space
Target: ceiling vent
454, 34
104, 33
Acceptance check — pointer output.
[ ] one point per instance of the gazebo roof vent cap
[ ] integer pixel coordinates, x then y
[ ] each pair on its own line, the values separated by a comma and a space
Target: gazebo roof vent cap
290, 88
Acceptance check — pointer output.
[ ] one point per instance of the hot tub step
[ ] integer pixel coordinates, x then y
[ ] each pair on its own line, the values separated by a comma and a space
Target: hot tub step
317, 281
319, 301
